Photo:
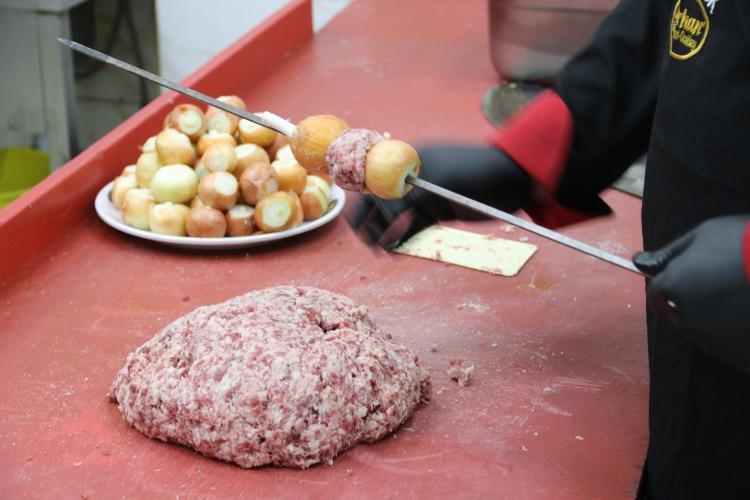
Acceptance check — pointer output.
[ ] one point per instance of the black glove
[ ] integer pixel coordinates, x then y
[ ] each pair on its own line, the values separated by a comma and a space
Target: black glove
485, 174
701, 284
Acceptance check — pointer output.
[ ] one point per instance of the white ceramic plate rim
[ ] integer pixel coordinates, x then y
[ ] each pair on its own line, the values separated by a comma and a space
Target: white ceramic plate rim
107, 211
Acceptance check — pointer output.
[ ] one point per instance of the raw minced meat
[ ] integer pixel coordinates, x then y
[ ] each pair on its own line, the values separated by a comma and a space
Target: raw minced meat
346, 157
287, 376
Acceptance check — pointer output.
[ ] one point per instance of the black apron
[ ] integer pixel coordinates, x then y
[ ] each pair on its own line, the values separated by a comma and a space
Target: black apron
698, 168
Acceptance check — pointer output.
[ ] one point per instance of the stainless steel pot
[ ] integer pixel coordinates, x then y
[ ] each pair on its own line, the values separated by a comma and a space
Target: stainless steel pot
532, 39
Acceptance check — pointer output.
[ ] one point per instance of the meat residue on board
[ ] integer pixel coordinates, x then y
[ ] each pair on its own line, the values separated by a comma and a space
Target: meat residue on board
458, 373
287, 376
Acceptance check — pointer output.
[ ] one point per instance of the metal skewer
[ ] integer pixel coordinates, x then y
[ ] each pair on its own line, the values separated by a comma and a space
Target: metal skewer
286, 127
524, 224
268, 120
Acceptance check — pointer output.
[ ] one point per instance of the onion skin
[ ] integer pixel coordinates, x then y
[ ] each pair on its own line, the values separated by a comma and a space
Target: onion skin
388, 164
311, 139
206, 222
257, 182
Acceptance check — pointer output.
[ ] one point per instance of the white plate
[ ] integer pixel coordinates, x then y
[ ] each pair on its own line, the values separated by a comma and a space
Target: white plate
111, 216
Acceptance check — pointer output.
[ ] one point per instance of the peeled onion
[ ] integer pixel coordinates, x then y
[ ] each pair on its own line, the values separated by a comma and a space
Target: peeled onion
200, 170
257, 182
280, 141
320, 183
149, 146
285, 153
219, 190
136, 207
221, 121
129, 170
388, 164
121, 186
275, 212
174, 147
174, 183
240, 221
292, 176
211, 138
168, 218
206, 222
196, 202
252, 133
311, 139
146, 167
233, 100
298, 215
248, 154
220, 158
188, 119
314, 203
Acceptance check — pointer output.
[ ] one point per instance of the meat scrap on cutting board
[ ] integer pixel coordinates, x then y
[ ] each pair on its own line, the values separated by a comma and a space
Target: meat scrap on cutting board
458, 373
289, 376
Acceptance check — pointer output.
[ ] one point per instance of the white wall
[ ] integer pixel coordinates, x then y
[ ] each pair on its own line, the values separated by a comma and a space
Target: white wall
191, 32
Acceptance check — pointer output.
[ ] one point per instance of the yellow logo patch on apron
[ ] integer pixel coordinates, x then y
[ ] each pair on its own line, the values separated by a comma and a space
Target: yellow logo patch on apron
689, 29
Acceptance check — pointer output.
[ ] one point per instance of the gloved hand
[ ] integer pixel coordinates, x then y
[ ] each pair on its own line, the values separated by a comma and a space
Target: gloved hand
485, 174
701, 284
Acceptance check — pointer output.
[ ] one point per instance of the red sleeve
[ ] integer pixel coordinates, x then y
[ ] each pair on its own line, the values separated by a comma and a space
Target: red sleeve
538, 138
746, 250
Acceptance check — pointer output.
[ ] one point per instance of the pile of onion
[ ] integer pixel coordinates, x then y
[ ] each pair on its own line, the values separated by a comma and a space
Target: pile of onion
209, 174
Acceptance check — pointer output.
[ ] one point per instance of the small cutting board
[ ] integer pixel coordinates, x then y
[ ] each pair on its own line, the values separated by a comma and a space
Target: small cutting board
483, 252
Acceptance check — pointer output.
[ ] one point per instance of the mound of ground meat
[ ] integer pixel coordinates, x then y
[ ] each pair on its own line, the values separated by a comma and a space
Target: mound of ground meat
346, 157
286, 376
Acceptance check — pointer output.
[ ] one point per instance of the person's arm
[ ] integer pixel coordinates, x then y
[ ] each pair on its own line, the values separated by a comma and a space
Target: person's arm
579, 137
701, 282
555, 155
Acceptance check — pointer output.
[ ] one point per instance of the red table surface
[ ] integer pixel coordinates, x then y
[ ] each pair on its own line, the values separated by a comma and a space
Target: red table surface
558, 404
